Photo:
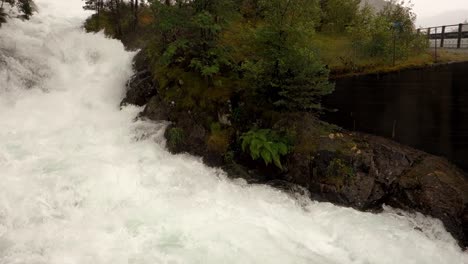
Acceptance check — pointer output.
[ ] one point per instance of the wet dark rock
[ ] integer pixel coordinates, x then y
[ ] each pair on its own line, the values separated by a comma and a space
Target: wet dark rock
373, 171
236, 170
141, 87
156, 109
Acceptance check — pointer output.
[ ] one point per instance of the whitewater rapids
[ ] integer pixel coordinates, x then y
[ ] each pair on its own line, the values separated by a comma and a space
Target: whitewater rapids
82, 182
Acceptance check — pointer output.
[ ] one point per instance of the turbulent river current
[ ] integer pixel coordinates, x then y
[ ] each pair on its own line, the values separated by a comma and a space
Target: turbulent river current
81, 181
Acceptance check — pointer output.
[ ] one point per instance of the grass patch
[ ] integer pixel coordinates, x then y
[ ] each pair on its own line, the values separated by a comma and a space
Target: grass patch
343, 59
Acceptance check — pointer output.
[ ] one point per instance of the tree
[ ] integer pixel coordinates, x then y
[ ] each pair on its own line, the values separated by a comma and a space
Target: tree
134, 5
285, 70
11, 2
373, 35
95, 5
187, 33
25, 7
250, 9
338, 14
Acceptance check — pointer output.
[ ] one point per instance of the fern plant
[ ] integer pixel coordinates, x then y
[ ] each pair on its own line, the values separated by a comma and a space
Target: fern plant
267, 145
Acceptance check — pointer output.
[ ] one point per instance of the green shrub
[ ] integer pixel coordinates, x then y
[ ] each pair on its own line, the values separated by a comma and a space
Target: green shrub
284, 72
267, 145
374, 34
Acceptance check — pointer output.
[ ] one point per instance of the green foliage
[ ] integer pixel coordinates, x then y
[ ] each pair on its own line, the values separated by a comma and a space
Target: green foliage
267, 145
94, 24
215, 127
175, 136
337, 15
374, 35
284, 70
188, 33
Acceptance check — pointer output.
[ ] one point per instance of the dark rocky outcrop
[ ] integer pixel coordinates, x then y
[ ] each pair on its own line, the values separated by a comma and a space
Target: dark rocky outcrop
365, 172
141, 86
349, 169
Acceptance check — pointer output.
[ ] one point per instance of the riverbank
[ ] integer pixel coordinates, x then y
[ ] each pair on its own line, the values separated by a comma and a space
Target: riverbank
228, 128
346, 168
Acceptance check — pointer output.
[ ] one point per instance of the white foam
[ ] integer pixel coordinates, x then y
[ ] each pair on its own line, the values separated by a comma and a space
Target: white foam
77, 187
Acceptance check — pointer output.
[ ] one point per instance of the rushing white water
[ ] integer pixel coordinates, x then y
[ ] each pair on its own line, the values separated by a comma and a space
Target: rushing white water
81, 182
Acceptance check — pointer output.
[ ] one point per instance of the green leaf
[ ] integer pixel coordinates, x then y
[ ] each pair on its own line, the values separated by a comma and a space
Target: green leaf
282, 149
277, 161
266, 156
255, 146
265, 144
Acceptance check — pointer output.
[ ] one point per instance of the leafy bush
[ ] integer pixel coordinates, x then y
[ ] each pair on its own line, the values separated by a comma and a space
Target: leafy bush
338, 14
25, 8
188, 35
373, 35
266, 144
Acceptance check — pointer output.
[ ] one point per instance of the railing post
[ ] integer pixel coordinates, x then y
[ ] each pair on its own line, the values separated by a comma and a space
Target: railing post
429, 36
460, 29
435, 46
442, 38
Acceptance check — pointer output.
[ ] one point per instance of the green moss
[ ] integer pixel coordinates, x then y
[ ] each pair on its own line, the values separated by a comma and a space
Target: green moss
339, 167
338, 172
190, 91
219, 139
175, 137
229, 157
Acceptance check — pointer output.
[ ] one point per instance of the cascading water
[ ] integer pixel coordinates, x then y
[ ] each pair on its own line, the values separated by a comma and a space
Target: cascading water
82, 182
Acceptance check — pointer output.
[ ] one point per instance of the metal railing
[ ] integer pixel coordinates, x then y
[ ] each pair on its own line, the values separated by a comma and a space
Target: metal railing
448, 36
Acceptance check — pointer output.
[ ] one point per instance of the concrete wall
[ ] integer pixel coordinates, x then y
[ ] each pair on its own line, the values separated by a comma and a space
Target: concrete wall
423, 108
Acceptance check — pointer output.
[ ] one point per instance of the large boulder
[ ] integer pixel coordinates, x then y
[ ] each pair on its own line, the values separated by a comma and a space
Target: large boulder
141, 87
366, 172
